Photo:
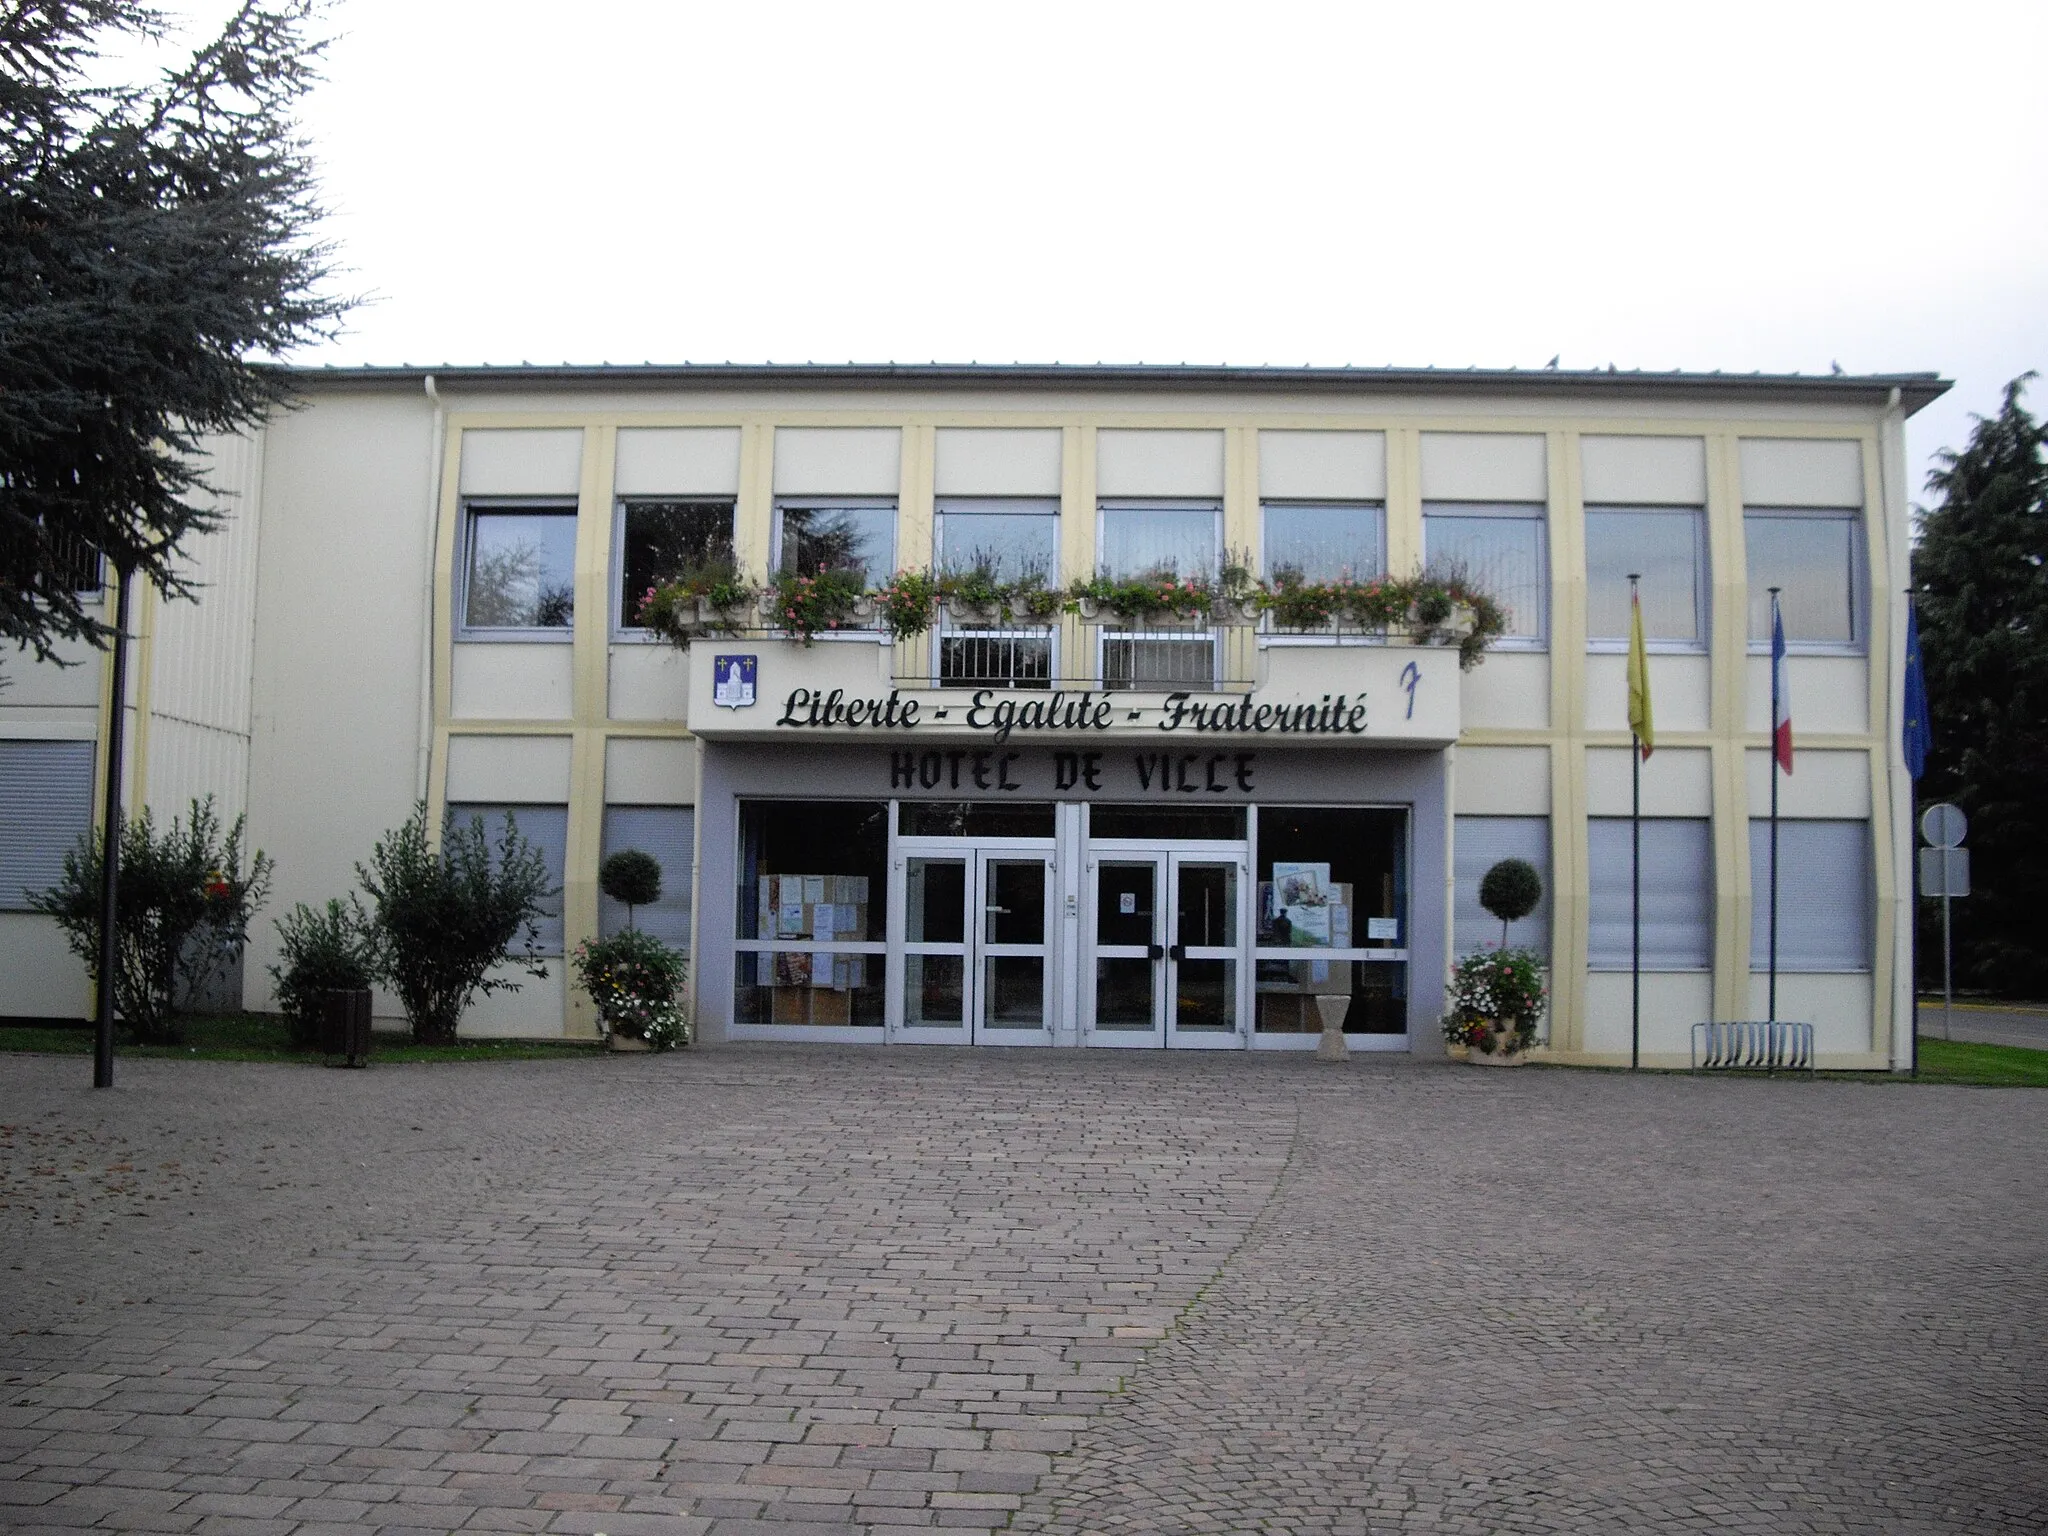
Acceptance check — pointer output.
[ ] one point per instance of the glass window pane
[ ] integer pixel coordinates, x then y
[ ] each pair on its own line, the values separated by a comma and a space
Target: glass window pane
813, 869
1325, 874
1825, 895
1678, 894
1224, 823
668, 834
1502, 554
1482, 842
1011, 539
935, 901
1663, 546
970, 818
840, 539
1323, 543
797, 987
666, 539
522, 570
547, 828
1814, 560
1147, 541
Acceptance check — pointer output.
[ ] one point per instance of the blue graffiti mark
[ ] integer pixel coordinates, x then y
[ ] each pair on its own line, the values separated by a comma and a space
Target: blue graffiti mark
1410, 676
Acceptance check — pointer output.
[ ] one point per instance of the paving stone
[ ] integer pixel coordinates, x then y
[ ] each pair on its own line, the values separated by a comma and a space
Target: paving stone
760, 1290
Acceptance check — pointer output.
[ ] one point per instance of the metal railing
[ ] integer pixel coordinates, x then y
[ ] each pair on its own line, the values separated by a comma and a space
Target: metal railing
995, 658
1076, 655
1753, 1045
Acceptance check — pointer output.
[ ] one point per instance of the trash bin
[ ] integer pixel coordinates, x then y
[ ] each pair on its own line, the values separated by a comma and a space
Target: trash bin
345, 1025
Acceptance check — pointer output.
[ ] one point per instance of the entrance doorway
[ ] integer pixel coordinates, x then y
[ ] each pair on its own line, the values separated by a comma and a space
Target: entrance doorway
977, 926
1164, 959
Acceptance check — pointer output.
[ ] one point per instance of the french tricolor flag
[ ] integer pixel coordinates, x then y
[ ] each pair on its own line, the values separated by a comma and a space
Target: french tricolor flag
1781, 694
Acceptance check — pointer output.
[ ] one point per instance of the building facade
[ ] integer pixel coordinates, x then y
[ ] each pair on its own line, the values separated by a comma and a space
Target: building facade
1068, 829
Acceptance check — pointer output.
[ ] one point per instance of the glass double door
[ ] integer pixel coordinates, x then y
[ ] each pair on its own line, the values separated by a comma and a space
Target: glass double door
977, 952
1164, 966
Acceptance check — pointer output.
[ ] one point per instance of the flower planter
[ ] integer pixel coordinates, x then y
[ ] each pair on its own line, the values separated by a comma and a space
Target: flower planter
614, 1041
961, 611
1501, 1052
721, 621
1463, 619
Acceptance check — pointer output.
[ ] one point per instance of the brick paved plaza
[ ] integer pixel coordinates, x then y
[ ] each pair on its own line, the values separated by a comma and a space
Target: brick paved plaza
784, 1291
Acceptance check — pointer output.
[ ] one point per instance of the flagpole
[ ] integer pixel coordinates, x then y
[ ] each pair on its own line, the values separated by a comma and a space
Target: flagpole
1635, 879
1772, 1011
1912, 883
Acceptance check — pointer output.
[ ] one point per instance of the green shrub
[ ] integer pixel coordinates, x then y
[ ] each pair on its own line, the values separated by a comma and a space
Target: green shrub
182, 910
1510, 890
446, 918
326, 949
632, 878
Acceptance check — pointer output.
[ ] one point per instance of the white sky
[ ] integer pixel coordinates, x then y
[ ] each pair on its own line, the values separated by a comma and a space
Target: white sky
1739, 186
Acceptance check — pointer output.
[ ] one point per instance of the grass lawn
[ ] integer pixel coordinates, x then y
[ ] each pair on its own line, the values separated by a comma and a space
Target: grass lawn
1987, 1066
262, 1037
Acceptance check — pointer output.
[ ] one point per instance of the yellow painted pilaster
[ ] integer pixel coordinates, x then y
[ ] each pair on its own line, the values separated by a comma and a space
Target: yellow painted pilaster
1404, 501
1570, 894
447, 538
915, 498
1728, 647
1077, 542
1241, 496
754, 515
589, 710
1884, 725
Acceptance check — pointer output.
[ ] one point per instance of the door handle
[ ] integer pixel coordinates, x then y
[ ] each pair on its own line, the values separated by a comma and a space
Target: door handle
1177, 952
1155, 951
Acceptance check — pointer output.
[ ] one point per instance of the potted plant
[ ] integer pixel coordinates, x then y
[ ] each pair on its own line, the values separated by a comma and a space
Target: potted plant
806, 606
905, 602
323, 951
714, 598
1495, 997
633, 977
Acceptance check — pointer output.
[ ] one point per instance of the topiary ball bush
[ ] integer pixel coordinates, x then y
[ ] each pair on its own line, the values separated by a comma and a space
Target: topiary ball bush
1511, 889
632, 877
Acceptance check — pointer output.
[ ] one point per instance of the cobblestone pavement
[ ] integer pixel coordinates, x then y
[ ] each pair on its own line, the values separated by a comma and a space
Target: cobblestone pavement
765, 1290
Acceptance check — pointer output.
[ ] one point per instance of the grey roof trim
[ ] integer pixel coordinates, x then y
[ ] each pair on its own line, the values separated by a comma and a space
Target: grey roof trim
1915, 389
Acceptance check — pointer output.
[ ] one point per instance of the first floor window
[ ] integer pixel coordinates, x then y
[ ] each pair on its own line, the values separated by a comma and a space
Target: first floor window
1142, 540
842, 535
662, 540
1664, 546
811, 916
547, 828
1500, 548
1009, 539
45, 808
668, 835
519, 567
1812, 556
1677, 893
1322, 542
1480, 843
1825, 895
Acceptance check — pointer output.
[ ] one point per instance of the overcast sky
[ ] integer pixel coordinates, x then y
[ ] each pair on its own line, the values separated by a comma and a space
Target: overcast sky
1776, 186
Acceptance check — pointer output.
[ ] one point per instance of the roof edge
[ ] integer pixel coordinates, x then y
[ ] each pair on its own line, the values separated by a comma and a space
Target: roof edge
1915, 390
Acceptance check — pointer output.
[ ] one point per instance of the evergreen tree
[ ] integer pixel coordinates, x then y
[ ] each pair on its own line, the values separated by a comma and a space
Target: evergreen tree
1980, 574
156, 244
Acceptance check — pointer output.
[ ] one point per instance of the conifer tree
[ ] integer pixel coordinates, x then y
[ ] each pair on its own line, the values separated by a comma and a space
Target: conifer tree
156, 245
1980, 575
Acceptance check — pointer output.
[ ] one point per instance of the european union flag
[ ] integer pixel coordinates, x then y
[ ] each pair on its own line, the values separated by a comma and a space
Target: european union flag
1915, 737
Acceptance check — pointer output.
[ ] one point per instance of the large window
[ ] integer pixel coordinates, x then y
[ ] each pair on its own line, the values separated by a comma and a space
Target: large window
1331, 910
45, 807
844, 534
519, 567
1678, 894
1667, 548
1324, 541
1482, 842
661, 540
1825, 895
1500, 546
668, 835
547, 828
811, 913
1814, 556
1139, 540
1005, 540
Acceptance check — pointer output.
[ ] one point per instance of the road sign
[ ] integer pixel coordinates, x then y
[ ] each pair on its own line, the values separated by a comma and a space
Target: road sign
1944, 826
1944, 871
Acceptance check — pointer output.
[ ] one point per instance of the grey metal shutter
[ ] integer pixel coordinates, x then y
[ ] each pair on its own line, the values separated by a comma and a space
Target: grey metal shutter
669, 833
1479, 843
1825, 895
45, 807
547, 828
1678, 894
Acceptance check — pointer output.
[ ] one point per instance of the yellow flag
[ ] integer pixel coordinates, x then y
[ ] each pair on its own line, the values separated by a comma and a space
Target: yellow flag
1639, 719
